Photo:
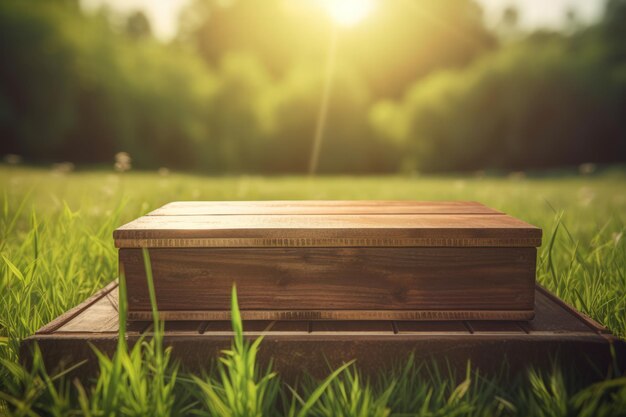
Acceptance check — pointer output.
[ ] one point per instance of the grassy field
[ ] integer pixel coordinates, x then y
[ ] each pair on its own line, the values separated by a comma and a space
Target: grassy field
57, 249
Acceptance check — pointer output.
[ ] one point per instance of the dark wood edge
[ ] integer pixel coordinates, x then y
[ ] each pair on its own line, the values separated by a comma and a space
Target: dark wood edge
339, 336
70, 314
588, 321
409, 315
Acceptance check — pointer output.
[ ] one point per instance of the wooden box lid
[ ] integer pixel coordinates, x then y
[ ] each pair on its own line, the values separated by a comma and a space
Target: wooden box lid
326, 224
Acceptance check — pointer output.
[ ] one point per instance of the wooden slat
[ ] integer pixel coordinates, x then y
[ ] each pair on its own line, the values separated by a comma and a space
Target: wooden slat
326, 283
431, 327
486, 327
113, 298
346, 315
183, 326
224, 327
290, 326
188, 208
100, 317
327, 230
293, 355
138, 327
72, 313
554, 317
260, 326
350, 327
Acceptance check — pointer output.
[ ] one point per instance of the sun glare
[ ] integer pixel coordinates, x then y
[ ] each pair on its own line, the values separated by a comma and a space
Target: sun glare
347, 12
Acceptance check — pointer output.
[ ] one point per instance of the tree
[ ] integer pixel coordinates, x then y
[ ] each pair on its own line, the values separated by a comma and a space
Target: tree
138, 25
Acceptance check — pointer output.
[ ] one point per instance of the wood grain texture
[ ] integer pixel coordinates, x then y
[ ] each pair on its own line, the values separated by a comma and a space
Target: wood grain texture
553, 317
101, 317
303, 283
352, 327
556, 316
257, 328
190, 208
305, 347
500, 327
547, 298
331, 315
77, 310
488, 230
432, 327
332, 260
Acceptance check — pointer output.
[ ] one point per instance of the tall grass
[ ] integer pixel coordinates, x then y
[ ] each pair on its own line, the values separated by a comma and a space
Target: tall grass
56, 249
239, 390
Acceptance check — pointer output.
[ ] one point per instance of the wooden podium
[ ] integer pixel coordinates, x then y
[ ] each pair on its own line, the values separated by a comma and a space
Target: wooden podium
331, 260
326, 282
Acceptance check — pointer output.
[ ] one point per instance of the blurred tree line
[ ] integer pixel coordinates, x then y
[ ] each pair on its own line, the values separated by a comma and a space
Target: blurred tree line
420, 85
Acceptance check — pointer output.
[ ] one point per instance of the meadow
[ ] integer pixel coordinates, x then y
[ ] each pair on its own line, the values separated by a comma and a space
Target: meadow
57, 248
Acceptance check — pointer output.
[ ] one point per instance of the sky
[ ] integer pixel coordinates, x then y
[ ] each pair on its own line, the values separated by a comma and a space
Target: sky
163, 14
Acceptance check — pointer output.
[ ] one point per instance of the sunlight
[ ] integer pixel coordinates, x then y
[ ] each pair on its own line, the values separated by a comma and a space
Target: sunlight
347, 12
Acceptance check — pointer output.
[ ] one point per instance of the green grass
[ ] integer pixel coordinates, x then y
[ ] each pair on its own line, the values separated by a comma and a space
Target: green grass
57, 249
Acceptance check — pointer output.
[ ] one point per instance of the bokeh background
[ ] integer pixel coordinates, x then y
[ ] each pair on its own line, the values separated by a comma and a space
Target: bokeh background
245, 86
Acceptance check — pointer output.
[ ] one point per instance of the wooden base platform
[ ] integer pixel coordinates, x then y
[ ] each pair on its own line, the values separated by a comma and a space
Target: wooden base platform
558, 332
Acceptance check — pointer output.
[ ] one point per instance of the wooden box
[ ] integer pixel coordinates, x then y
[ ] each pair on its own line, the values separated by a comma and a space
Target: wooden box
331, 260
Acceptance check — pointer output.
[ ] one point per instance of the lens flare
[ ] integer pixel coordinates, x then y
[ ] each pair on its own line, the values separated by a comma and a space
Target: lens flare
347, 12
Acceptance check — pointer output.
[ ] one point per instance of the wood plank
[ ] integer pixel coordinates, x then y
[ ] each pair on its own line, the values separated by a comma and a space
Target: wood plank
398, 283
183, 327
187, 208
99, 317
431, 327
138, 327
350, 327
259, 327
329, 315
75, 311
250, 328
291, 326
175, 328
315, 354
591, 323
553, 317
550, 317
500, 327
327, 230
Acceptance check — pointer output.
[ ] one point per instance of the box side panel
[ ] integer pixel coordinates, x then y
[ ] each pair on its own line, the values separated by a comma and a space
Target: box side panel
299, 279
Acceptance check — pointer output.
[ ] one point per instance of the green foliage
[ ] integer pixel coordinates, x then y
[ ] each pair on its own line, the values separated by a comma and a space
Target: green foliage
139, 381
547, 394
78, 90
136, 382
40, 278
533, 104
240, 390
30, 392
423, 389
419, 86
350, 396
